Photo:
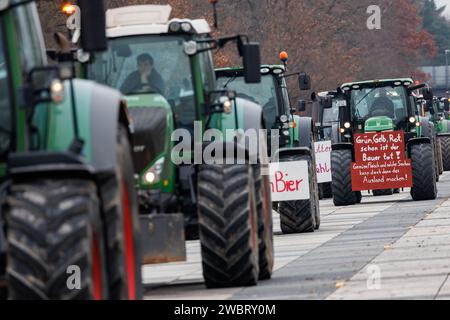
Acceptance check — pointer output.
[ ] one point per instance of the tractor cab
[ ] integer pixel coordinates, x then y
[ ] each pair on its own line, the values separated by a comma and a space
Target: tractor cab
272, 94
164, 68
326, 106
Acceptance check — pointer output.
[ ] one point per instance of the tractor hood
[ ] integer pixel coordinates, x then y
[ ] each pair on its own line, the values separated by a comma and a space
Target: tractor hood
377, 124
152, 121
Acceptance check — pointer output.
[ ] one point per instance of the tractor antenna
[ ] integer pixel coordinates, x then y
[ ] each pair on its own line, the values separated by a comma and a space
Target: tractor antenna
214, 3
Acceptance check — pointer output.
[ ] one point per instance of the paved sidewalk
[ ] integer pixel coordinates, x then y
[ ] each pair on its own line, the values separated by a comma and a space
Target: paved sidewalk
417, 266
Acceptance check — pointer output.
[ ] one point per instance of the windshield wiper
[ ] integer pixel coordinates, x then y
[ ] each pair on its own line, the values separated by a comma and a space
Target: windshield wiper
230, 81
365, 96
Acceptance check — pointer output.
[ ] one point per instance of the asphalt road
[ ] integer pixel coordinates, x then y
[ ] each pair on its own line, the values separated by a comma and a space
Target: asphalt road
384, 248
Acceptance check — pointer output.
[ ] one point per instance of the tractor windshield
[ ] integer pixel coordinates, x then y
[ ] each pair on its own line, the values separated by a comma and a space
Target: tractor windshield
331, 115
264, 94
5, 103
145, 64
380, 101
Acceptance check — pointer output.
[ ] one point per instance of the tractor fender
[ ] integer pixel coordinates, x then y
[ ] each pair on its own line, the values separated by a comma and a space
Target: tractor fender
342, 146
231, 152
250, 122
427, 127
108, 110
415, 141
305, 132
286, 152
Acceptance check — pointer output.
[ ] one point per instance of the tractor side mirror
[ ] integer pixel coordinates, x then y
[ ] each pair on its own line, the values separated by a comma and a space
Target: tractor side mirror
304, 82
301, 106
252, 62
93, 26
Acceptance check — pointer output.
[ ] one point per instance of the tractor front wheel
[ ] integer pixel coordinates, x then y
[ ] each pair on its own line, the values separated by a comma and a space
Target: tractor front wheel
300, 216
228, 225
424, 175
55, 241
343, 194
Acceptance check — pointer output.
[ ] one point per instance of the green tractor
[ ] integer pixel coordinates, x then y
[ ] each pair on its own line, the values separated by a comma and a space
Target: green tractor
383, 106
437, 114
164, 67
293, 134
69, 214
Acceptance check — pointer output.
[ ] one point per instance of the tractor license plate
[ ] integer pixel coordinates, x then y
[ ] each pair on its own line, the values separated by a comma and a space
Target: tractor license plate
162, 238
323, 161
289, 181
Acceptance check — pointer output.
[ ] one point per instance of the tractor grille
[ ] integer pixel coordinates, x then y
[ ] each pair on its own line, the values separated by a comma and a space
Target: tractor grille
149, 134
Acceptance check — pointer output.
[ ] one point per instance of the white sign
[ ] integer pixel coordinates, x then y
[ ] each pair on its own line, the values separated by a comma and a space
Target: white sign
323, 161
289, 181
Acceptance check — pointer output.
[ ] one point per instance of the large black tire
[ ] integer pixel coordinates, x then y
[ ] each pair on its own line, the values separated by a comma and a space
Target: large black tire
343, 195
383, 192
300, 216
424, 176
228, 225
121, 214
52, 225
265, 224
445, 148
440, 159
3, 287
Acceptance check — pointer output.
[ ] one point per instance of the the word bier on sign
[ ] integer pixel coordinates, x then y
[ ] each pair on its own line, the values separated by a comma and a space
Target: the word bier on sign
323, 161
289, 181
381, 162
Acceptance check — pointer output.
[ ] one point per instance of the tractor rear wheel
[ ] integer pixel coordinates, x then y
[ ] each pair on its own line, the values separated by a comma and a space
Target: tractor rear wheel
265, 224
343, 194
53, 229
383, 192
228, 225
120, 209
440, 159
299, 216
423, 169
445, 148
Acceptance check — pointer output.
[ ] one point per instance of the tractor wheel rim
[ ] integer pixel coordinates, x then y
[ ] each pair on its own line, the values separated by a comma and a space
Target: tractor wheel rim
129, 245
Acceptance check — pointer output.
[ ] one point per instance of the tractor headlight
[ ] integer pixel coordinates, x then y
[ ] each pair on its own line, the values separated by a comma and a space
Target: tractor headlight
153, 175
175, 27
347, 125
57, 91
286, 133
284, 118
186, 27
412, 119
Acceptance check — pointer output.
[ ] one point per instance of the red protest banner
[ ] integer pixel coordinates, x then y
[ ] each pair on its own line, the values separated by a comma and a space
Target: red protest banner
381, 162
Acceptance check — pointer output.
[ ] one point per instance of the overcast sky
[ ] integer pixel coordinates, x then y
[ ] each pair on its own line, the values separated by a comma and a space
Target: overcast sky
444, 2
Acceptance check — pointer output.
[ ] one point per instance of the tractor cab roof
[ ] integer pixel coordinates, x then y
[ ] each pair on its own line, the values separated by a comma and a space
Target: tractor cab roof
150, 19
239, 71
377, 83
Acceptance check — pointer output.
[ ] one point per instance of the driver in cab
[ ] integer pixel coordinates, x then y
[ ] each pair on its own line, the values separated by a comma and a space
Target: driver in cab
383, 105
145, 78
